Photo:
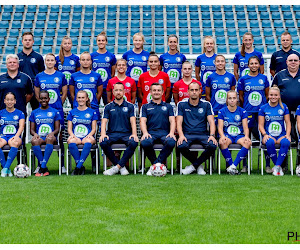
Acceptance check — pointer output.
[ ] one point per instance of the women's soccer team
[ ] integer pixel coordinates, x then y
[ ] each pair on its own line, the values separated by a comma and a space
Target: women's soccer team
243, 103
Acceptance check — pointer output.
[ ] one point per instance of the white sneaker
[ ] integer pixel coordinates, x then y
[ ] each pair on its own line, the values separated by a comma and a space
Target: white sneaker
36, 170
244, 170
149, 172
188, 170
3, 172
9, 174
124, 171
63, 170
269, 170
298, 170
200, 170
232, 170
113, 170
275, 170
280, 173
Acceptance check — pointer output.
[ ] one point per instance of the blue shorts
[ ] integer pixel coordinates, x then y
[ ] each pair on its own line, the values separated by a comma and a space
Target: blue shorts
277, 137
234, 139
7, 137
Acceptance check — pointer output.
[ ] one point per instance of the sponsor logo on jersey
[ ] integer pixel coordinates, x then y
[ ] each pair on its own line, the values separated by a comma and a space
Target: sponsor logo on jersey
79, 85
130, 62
214, 86
166, 65
60, 67
1, 122
43, 85
74, 120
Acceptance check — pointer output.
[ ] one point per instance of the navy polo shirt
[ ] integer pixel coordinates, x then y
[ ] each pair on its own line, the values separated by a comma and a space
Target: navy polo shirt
289, 88
157, 117
278, 59
119, 117
194, 117
20, 86
31, 64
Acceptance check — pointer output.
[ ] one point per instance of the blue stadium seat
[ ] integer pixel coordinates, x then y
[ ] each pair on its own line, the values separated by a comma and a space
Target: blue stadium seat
293, 31
74, 32
2, 41
183, 32
159, 23
3, 32
217, 15
219, 32
233, 49
183, 24
65, 16
77, 8
10, 50
268, 32
110, 48
170, 8
47, 49
276, 15
54, 8
242, 24
252, 15
123, 32
38, 32
184, 40
254, 24
29, 16
218, 23
287, 15
56, 51
100, 16
86, 32
251, 8
74, 50
159, 40
147, 47
37, 41
206, 15
295, 39
122, 49
269, 40
88, 16
50, 32
110, 32
232, 40
279, 40
196, 40
204, 8
4, 24
84, 48
242, 31
112, 24
122, 40
255, 31
51, 24
264, 16
123, 24
40, 25
289, 24
135, 23
197, 49
159, 49
182, 15
266, 23
159, 8
181, 8
59, 41
16, 25
88, 24
260, 48
147, 23
222, 49
8, 9
66, 8
135, 8
262, 8
148, 39
229, 15
31, 8
43, 8
159, 15
297, 15
171, 23
296, 47
85, 41
228, 8
194, 16
35, 48
185, 49
206, 24
135, 16
147, 16
89, 8
171, 31
230, 24
97, 32
285, 8
41, 17
123, 16
18, 16
6, 16
111, 16
159, 32
194, 24
134, 30
14, 32
195, 32
221, 40
64, 25
278, 24
239, 8
207, 32
75, 24
258, 40
48, 41
27, 25
76, 16
193, 8
216, 8
147, 8
240, 15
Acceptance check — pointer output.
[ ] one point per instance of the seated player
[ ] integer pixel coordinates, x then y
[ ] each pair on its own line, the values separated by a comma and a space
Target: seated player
157, 125
44, 127
298, 129
12, 123
233, 128
82, 124
192, 118
119, 116
272, 118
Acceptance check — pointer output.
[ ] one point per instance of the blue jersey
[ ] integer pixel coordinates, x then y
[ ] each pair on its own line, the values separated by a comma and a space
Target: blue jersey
172, 65
274, 119
9, 121
242, 61
89, 83
71, 64
53, 84
44, 120
219, 86
233, 121
157, 117
194, 117
207, 67
102, 64
298, 110
254, 91
119, 117
82, 121
136, 63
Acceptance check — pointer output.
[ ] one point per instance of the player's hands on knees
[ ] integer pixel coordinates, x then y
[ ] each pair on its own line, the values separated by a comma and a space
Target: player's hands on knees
146, 136
50, 136
265, 138
171, 136
136, 139
288, 137
213, 139
181, 139
102, 137
223, 140
36, 137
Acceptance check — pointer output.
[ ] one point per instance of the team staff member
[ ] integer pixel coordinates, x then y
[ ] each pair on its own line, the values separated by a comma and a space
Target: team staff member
128, 82
273, 117
82, 124
11, 128
104, 62
205, 62
157, 124
31, 62
56, 84
44, 127
192, 118
171, 62
153, 75
233, 128
278, 59
180, 88
119, 116
241, 58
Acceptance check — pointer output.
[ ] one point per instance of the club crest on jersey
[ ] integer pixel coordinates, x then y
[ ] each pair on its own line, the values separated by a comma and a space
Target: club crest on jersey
267, 118
74, 120
72, 62
144, 58
214, 86
16, 117
125, 109
127, 84
94, 65
79, 85
280, 111
226, 79
92, 79
49, 114
147, 88
32, 60
87, 115
37, 121
200, 110
56, 79
161, 81
130, 62
247, 88
107, 58
60, 67
203, 67
166, 65
164, 108
225, 123
237, 118
242, 64
1, 122
260, 81
19, 80
178, 59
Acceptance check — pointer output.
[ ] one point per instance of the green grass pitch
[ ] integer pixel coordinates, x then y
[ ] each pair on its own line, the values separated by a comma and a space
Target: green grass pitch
143, 209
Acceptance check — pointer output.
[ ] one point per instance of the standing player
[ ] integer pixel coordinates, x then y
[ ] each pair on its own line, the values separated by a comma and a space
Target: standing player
66, 62
12, 126
241, 58
31, 62
180, 88
157, 123
171, 62
218, 84
128, 82
275, 127
104, 62
56, 84
153, 75
44, 127
278, 59
233, 128
205, 62
253, 90
82, 124
120, 122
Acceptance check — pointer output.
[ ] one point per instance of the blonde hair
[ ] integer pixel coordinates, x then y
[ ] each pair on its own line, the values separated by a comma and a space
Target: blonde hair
278, 90
204, 41
102, 34
121, 60
61, 53
141, 35
243, 53
85, 53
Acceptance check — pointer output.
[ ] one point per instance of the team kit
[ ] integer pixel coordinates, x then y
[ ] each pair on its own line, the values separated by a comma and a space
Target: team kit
217, 110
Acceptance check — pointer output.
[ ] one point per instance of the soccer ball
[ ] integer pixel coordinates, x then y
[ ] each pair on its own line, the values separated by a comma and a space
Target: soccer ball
21, 171
158, 170
298, 171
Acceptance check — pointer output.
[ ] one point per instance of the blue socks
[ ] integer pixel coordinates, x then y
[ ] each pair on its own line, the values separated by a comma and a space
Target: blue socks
227, 156
271, 150
38, 153
84, 154
240, 156
74, 152
47, 154
11, 156
2, 158
284, 147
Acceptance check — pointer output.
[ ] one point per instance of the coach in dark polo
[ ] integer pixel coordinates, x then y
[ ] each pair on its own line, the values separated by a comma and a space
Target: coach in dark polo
16, 82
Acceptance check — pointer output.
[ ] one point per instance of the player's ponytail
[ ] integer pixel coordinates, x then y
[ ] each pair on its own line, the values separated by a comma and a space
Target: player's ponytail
88, 101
